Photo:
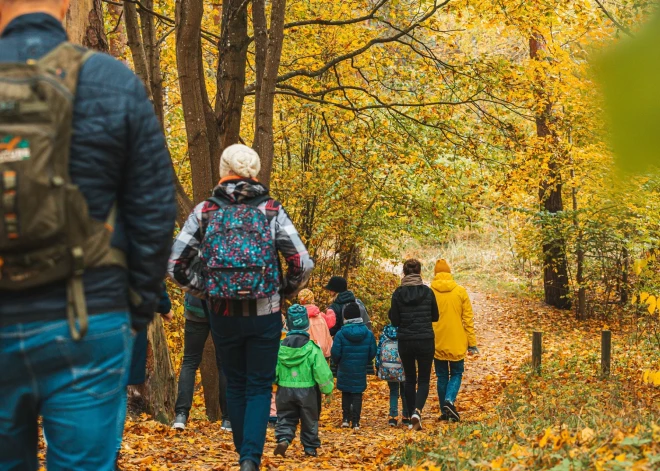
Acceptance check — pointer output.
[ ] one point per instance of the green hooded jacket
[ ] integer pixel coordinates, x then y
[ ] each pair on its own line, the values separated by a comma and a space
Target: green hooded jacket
303, 367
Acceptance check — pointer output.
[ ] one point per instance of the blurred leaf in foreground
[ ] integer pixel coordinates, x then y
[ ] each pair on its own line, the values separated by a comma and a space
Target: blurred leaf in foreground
630, 74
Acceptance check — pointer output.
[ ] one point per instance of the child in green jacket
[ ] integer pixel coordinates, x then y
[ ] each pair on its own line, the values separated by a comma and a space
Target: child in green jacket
300, 368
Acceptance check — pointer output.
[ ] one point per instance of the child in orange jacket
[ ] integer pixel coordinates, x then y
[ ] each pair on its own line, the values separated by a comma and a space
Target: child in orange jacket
320, 323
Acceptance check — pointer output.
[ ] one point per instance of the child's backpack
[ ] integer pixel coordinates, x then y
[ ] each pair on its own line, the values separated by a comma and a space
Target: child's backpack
46, 233
391, 368
238, 252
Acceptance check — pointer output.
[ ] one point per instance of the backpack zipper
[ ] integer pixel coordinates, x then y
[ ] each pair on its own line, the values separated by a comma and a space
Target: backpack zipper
240, 269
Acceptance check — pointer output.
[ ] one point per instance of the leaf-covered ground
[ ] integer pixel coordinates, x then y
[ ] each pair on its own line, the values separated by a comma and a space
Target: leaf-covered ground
203, 446
568, 417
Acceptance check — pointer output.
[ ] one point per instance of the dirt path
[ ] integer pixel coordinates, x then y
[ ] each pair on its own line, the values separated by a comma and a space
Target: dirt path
203, 446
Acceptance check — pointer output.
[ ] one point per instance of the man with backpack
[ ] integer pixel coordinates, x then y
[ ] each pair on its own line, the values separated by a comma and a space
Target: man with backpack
227, 253
87, 213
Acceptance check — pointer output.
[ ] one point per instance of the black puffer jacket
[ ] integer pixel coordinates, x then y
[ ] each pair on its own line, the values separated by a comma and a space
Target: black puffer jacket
413, 311
118, 154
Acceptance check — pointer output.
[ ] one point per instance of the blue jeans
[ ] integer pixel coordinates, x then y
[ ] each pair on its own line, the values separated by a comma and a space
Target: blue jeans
450, 375
248, 348
396, 390
75, 386
121, 418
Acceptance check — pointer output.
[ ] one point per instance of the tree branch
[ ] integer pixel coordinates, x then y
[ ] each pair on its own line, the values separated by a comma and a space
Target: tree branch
614, 20
381, 40
369, 16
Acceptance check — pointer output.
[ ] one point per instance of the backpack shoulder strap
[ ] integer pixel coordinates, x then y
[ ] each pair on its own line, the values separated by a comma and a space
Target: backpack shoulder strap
65, 62
218, 201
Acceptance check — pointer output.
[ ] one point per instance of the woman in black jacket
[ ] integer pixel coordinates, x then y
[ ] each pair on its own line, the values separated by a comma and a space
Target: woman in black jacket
414, 310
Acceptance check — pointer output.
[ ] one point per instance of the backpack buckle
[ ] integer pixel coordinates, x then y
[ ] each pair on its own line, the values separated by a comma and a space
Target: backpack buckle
78, 258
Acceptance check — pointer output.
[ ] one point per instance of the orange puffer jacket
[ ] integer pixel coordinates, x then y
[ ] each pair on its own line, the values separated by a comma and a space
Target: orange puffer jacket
319, 330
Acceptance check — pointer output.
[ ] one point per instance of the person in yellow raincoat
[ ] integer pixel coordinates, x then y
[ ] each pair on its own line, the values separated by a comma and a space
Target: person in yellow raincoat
454, 337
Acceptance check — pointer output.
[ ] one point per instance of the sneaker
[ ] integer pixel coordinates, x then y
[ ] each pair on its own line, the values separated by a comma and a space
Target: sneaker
281, 448
451, 412
356, 426
311, 452
406, 421
180, 422
226, 425
443, 417
393, 422
345, 424
416, 420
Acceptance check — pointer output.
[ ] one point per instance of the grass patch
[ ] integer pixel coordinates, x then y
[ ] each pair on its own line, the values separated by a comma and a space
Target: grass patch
566, 418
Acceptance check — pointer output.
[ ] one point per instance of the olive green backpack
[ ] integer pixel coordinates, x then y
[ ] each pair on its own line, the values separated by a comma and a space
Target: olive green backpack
46, 233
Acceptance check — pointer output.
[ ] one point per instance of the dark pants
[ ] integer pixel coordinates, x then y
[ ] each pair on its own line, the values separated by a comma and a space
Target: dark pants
194, 340
351, 405
398, 390
417, 359
248, 347
298, 405
76, 387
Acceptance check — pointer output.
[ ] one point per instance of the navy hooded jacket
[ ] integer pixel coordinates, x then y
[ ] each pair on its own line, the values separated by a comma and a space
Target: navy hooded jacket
353, 348
118, 154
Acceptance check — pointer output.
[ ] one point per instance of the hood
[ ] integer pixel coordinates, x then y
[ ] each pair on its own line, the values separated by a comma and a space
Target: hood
443, 283
294, 356
390, 332
412, 295
296, 338
239, 190
313, 311
345, 297
355, 331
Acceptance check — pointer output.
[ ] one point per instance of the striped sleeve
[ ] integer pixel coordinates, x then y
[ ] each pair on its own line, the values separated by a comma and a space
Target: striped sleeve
291, 246
184, 266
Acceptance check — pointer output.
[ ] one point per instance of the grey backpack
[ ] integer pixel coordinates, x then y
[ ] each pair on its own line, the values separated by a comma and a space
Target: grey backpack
46, 233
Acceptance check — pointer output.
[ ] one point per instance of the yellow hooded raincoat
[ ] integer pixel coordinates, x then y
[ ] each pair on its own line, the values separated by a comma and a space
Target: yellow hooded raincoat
454, 331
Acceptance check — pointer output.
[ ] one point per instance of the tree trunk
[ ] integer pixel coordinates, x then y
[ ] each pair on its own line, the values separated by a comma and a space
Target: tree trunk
118, 40
582, 290
159, 389
194, 98
209, 371
152, 55
263, 142
555, 266
84, 24
136, 44
232, 64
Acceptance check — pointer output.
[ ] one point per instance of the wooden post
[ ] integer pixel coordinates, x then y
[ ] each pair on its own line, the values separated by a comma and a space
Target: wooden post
606, 352
536, 350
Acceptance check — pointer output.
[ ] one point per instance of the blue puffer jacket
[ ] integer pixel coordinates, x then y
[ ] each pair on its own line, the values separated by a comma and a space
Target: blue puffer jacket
118, 154
354, 346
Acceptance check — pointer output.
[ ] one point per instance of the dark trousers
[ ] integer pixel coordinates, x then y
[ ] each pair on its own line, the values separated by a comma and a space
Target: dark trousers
417, 359
398, 390
298, 405
248, 347
194, 340
351, 405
